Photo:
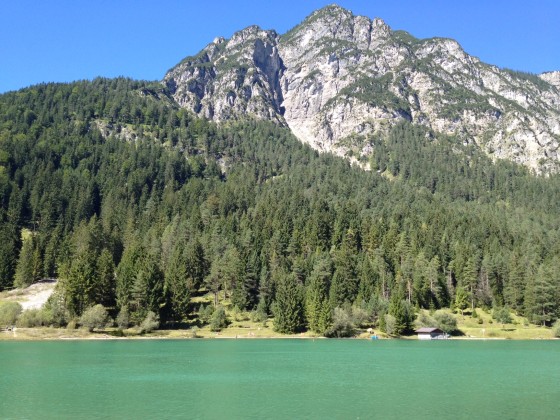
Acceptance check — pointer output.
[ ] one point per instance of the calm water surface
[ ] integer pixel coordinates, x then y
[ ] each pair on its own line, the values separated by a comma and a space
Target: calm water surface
222, 379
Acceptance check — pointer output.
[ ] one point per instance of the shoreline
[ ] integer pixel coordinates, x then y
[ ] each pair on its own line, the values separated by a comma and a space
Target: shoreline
60, 334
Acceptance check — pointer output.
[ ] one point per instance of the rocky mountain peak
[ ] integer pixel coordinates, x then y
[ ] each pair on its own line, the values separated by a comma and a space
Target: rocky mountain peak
338, 80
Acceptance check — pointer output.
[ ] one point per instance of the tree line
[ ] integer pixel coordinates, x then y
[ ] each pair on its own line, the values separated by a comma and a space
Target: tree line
135, 204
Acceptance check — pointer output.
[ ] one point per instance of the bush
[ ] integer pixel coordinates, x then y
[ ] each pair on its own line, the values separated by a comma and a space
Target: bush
360, 316
94, 317
445, 321
150, 323
390, 324
123, 319
260, 314
342, 324
556, 329
219, 319
194, 332
502, 315
205, 313
9, 312
55, 312
32, 318
425, 321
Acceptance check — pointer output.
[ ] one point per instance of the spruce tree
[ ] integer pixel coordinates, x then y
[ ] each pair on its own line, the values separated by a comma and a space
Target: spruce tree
24, 268
401, 310
288, 308
316, 296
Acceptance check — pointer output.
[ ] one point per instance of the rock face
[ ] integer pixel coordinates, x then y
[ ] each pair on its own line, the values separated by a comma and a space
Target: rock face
339, 80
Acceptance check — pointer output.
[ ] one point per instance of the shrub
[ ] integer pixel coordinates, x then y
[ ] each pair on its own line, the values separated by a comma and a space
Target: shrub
258, 316
445, 321
219, 319
360, 316
150, 323
94, 317
502, 315
32, 318
55, 312
9, 312
556, 329
205, 313
342, 324
123, 319
194, 332
390, 324
425, 321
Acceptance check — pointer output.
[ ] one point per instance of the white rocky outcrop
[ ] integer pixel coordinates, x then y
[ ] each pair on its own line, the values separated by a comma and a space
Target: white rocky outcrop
338, 79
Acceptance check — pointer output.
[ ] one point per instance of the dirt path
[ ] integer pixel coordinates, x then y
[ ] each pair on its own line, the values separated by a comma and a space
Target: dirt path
32, 297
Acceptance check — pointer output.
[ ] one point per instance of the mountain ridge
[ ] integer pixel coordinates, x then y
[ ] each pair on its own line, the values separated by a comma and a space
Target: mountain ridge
339, 81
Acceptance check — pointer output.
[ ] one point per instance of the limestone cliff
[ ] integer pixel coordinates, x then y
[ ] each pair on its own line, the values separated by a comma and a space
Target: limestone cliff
339, 80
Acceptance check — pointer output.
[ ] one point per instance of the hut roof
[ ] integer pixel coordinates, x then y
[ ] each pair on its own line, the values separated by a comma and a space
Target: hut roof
428, 330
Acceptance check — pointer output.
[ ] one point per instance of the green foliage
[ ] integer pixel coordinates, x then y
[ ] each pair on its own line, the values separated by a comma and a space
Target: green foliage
288, 309
342, 324
219, 319
317, 307
150, 323
9, 312
25, 273
445, 322
556, 329
461, 299
94, 317
110, 173
389, 324
403, 314
55, 311
32, 318
502, 315
123, 319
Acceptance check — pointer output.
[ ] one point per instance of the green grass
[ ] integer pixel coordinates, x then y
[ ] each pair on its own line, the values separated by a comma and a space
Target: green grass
518, 329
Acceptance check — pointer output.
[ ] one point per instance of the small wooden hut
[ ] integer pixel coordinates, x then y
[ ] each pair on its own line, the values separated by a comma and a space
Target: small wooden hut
431, 334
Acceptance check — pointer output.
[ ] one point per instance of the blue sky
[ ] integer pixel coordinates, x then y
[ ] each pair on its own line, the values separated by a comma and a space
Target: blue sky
65, 40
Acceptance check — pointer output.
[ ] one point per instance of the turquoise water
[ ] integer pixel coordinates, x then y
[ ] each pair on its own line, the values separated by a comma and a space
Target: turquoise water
222, 379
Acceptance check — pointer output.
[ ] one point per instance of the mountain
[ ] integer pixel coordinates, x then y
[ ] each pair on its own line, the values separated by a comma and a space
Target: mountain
121, 191
339, 81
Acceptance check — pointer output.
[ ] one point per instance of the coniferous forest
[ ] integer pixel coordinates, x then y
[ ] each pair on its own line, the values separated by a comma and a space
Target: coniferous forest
134, 204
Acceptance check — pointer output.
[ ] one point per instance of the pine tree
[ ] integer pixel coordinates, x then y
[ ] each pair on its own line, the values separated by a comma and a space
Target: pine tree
105, 291
148, 290
316, 301
288, 308
177, 284
540, 296
401, 310
24, 270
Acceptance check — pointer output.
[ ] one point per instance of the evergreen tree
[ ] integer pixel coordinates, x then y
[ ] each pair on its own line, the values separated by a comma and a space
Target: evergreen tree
288, 308
317, 308
24, 270
402, 312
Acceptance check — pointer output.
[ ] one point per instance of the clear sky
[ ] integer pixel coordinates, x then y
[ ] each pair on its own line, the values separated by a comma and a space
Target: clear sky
65, 40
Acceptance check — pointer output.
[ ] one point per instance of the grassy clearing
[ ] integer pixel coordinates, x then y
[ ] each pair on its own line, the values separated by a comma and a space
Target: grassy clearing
483, 326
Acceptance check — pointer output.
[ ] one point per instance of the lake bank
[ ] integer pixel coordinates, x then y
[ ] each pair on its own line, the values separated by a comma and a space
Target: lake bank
49, 333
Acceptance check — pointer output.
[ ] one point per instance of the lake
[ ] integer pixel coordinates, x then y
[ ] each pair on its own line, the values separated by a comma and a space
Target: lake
222, 379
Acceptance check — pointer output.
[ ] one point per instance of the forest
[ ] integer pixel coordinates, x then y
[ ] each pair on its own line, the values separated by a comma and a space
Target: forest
135, 204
